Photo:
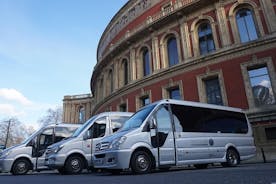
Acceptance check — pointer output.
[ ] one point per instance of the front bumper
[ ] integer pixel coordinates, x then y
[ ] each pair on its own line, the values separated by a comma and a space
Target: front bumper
6, 165
116, 159
55, 161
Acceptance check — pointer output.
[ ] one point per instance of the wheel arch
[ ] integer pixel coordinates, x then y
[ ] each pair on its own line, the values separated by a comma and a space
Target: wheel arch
147, 150
23, 158
79, 155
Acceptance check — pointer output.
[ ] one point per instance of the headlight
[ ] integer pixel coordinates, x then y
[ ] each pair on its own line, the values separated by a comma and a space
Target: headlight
4, 154
58, 148
117, 142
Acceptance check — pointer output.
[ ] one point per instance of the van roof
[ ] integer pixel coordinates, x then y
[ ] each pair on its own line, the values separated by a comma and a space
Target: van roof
114, 113
197, 104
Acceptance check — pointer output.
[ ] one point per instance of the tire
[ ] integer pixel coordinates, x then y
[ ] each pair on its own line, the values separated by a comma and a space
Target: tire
74, 165
232, 158
21, 167
141, 162
201, 166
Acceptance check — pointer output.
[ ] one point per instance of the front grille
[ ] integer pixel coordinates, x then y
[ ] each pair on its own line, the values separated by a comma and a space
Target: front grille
102, 146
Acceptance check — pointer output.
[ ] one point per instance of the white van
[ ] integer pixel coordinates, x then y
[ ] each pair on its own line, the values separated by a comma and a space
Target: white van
175, 133
30, 155
73, 155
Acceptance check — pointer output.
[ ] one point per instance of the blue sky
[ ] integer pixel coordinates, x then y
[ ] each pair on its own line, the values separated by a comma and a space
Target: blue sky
48, 50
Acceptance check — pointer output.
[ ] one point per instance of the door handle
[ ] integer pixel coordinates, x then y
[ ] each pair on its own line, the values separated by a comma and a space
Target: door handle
211, 142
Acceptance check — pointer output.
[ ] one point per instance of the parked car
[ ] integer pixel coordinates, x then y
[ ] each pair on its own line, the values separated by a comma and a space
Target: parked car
73, 155
30, 155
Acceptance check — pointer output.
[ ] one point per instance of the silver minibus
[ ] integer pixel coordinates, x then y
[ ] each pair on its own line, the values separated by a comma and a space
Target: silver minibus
30, 155
74, 154
174, 133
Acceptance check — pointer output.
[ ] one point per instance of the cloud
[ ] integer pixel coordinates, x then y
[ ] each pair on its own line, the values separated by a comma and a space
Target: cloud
9, 110
14, 95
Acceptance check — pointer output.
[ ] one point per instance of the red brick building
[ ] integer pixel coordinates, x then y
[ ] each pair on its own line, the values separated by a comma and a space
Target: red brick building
216, 51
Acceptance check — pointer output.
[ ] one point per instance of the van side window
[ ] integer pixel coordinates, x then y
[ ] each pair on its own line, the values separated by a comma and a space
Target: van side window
63, 132
46, 138
163, 120
98, 128
197, 119
117, 122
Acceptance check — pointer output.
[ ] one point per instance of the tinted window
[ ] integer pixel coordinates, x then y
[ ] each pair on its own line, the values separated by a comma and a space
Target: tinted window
46, 138
196, 119
98, 128
117, 122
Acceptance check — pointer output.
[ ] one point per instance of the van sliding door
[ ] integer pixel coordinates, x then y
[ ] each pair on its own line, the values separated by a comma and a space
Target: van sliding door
165, 137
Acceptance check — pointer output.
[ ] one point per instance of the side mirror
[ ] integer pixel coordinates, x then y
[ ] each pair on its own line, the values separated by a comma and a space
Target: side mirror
31, 143
87, 135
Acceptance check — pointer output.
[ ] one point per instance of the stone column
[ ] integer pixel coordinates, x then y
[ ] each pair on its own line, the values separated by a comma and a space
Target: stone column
185, 39
222, 22
155, 53
269, 15
132, 65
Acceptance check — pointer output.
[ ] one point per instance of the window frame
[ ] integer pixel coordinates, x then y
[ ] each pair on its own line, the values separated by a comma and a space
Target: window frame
201, 86
255, 62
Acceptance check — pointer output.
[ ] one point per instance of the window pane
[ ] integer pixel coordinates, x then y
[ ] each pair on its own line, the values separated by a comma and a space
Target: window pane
81, 114
123, 108
246, 25
172, 51
205, 36
270, 133
146, 62
98, 128
261, 86
213, 92
175, 94
125, 72
145, 101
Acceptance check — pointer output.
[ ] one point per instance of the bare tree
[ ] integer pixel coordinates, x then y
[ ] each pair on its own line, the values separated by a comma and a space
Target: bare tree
13, 132
52, 117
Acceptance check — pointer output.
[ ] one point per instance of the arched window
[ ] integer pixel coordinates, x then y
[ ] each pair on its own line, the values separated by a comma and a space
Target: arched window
125, 70
246, 25
146, 62
205, 38
81, 114
172, 51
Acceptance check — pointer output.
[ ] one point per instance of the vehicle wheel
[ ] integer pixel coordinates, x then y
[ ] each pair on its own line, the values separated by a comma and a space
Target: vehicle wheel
232, 158
74, 165
62, 171
201, 166
20, 167
141, 162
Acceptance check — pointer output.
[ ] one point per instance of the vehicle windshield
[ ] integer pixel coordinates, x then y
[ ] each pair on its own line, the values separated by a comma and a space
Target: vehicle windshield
83, 127
28, 139
138, 118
